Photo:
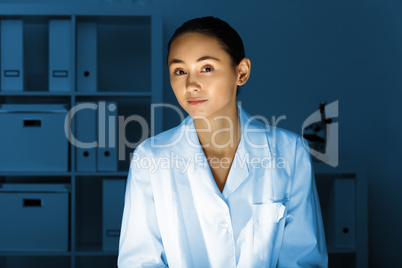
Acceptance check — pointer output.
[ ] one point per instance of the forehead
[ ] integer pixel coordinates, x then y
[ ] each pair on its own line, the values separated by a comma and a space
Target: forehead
193, 45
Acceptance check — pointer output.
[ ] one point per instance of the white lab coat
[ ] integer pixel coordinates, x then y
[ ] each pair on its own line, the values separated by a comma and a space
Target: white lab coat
268, 214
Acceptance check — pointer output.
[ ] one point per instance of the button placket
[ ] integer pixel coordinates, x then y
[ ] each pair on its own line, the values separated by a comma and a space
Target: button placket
227, 226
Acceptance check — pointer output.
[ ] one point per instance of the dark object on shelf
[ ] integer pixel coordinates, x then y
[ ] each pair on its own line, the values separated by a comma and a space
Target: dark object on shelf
340, 220
33, 137
59, 55
107, 150
113, 204
35, 217
87, 52
85, 122
316, 133
12, 66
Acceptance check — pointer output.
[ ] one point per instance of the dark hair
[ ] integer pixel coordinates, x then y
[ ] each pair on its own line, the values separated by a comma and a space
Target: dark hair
228, 38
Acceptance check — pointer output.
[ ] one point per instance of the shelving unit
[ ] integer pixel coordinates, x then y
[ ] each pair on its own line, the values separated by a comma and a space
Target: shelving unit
355, 255
129, 72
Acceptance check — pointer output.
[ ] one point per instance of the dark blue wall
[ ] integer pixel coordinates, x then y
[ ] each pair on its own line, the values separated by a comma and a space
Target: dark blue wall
303, 52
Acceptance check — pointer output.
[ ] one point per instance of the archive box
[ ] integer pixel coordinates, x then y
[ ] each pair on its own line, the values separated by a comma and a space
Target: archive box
32, 137
113, 204
34, 217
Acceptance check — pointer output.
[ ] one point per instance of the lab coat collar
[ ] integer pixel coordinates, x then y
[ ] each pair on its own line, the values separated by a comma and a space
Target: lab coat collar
253, 147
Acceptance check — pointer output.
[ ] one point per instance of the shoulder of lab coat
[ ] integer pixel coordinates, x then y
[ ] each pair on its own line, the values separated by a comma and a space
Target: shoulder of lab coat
303, 243
140, 240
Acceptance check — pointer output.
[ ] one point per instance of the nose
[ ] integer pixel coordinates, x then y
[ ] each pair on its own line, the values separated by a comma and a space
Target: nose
192, 83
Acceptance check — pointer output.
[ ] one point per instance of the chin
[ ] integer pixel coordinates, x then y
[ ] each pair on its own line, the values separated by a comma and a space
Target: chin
195, 111
195, 114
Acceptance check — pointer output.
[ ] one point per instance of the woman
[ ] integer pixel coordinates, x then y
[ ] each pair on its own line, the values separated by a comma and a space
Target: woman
221, 189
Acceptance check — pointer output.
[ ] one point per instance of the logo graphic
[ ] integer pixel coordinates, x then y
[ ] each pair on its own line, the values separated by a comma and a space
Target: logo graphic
321, 132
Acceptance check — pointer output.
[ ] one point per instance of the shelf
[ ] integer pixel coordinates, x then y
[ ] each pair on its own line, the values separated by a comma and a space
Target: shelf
112, 52
84, 94
35, 93
334, 250
35, 174
46, 9
35, 253
344, 167
93, 249
95, 261
36, 261
101, 174
115, 94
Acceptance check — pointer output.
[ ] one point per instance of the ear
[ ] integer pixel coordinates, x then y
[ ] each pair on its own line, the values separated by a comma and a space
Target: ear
243, 71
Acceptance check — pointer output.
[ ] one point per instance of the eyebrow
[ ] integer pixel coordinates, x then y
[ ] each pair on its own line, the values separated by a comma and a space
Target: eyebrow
200, 59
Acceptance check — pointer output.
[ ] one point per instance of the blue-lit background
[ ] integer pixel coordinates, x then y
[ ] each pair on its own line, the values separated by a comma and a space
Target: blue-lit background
302, 53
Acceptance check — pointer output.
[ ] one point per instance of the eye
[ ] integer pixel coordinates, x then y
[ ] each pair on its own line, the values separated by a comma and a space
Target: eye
207, 69
179, 72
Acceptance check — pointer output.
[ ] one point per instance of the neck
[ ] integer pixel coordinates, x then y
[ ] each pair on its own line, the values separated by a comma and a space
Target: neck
219, 134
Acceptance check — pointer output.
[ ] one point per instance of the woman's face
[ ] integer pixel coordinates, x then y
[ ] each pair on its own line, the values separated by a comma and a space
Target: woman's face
202, 76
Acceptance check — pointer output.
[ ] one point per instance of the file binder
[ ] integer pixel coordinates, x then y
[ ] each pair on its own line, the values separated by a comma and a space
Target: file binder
341, 220
60, 49
107, 140
12, 71
87, 56
86, 131
113, 204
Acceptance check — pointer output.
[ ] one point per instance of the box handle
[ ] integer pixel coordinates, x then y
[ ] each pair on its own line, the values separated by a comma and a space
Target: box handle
11, 73
32, 202
32, 123
60, 73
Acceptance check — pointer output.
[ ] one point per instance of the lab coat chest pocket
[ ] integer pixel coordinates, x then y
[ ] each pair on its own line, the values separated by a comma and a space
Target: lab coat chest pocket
267, 219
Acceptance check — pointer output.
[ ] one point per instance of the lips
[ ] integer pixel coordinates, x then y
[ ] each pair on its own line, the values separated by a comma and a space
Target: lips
195, 101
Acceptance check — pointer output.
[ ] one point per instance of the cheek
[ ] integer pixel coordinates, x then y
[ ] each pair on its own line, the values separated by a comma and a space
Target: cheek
175, 85
177, 90
177, 82
226, 78
225, 86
